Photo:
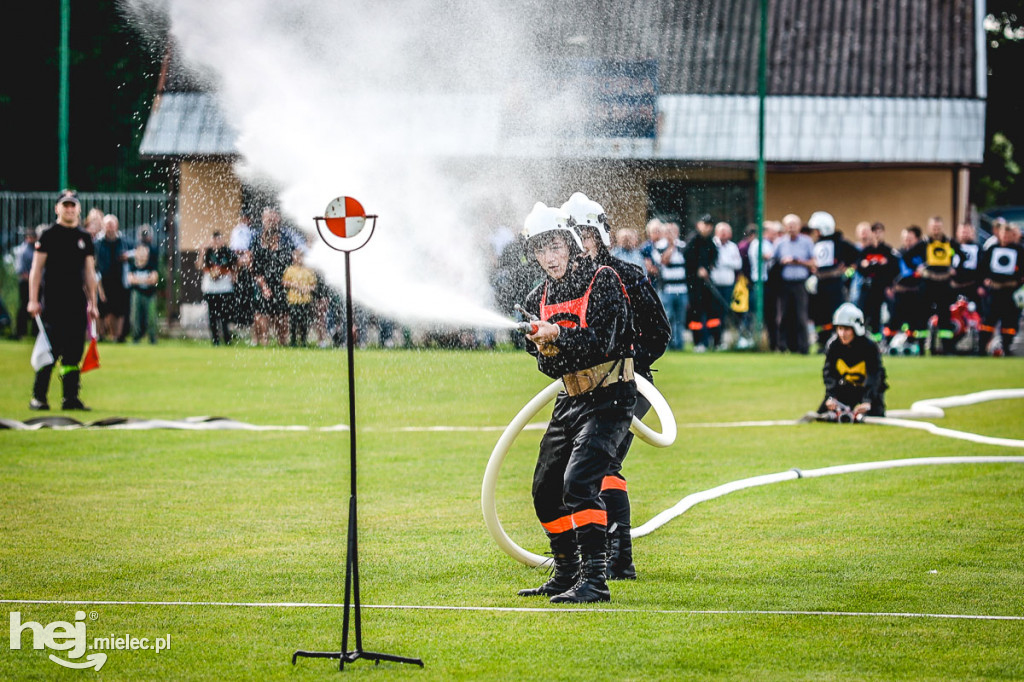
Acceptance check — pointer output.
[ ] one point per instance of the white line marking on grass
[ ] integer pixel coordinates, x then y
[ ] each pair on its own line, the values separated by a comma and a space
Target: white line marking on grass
514, 609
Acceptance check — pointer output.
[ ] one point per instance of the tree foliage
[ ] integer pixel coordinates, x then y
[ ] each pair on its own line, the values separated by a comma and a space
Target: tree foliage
113, 78
998, 181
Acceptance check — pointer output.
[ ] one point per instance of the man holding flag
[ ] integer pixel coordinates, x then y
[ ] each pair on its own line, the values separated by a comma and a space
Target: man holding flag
63, 268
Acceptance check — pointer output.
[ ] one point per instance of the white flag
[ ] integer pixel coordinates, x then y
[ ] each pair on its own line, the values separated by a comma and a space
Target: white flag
41, 355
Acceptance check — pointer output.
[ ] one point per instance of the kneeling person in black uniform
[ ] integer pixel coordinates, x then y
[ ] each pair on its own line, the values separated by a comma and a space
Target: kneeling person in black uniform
584, 336
853, 373
651, 334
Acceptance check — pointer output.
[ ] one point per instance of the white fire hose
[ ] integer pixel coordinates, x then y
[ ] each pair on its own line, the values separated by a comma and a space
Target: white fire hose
931, 408
515, 427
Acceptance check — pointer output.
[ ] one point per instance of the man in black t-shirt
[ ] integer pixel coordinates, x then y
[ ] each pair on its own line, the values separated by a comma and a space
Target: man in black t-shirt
64, 267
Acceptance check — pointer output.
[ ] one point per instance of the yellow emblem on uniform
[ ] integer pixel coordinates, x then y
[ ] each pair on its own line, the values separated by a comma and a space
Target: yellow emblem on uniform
852, 375
939, 254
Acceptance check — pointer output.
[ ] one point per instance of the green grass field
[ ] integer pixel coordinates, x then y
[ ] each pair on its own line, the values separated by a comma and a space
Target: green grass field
260, 517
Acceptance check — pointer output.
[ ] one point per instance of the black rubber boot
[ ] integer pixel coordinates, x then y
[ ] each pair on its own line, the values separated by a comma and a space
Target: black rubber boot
40, 388
1008, 344
984, 338
592, 586
72, 382
566, 568
620, 554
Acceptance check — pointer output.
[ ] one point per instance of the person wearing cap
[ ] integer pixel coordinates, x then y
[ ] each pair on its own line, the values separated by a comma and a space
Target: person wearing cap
854, 375
651, 333
583, 334
832, 256
62, 272
701, 255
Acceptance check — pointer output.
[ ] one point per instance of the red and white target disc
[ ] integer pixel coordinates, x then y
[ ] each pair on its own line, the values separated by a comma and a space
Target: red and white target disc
345, 217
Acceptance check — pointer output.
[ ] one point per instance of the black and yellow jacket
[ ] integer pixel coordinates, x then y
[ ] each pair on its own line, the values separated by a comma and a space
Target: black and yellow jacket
853, 374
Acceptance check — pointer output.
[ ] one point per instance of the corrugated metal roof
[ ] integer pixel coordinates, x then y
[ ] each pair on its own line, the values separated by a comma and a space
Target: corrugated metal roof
836, 48
880, 48
187, 123
849, 80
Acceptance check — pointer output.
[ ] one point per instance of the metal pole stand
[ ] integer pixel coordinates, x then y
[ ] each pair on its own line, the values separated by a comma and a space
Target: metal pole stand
352, 602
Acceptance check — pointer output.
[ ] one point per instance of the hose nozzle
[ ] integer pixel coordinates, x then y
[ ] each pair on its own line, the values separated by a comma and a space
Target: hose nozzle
527, 327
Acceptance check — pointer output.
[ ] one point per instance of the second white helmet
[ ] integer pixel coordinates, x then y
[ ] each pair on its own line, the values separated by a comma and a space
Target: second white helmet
849, 315
585, 212
823, 222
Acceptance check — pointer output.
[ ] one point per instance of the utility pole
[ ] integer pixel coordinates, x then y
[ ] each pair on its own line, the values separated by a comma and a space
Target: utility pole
62, 118
762, 93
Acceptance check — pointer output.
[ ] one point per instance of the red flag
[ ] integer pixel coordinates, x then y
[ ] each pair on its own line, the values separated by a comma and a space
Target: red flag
92, 354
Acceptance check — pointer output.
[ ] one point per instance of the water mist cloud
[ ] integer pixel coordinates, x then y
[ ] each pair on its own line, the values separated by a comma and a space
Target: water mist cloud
334, 98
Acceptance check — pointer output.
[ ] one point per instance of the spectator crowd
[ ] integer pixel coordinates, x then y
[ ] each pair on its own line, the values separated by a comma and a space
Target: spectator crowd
934, 293
127, 276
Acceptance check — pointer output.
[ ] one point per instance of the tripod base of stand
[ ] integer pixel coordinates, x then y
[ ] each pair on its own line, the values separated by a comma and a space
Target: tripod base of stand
351, 656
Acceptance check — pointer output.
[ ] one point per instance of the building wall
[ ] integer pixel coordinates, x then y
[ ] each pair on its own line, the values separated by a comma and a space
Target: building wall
896, 198
210, 197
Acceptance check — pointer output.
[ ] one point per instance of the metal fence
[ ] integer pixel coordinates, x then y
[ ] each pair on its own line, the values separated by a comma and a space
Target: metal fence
133, 210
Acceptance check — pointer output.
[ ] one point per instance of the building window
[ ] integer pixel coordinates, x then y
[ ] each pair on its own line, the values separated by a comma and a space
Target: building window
685, 201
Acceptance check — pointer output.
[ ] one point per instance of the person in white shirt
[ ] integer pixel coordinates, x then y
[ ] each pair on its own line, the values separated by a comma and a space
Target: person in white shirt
723, 274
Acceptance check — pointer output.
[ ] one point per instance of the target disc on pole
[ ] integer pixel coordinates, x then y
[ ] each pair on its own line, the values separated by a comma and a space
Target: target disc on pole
345, 217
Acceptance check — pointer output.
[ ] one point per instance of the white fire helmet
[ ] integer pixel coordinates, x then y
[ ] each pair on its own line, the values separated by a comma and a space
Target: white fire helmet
823, 222
544, 219
586, 212
849, 315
